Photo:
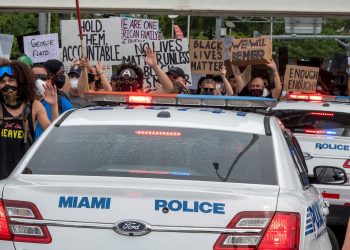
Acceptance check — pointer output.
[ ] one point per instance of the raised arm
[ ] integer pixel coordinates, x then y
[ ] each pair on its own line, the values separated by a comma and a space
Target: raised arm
276, 91
39, 111
228, 88
164, 80
105, 83
238, 78
83, 84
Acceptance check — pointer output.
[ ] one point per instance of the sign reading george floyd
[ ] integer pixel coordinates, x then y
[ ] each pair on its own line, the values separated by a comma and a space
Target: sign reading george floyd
138, 30
257, 50
207, 56
301, 79
41, 48
173, 52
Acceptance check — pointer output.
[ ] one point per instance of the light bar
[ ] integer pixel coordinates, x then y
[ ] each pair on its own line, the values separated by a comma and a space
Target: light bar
320, 132
305, 97
178, 100
322, 114
158, 133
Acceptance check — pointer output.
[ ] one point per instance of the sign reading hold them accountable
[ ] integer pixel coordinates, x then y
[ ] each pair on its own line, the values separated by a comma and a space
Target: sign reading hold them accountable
247, 51
207, 56
301, 79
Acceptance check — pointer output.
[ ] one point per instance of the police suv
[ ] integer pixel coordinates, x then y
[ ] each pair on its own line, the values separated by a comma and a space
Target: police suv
174, 176
322, 126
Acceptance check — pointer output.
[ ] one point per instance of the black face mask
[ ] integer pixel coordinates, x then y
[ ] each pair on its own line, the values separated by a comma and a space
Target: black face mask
129, 87
9, 96
256, 92
59, 81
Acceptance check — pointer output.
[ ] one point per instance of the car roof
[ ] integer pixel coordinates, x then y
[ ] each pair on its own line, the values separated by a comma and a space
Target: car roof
321, 106
205, 118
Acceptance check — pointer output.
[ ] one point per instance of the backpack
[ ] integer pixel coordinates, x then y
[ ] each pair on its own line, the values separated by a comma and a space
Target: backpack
25, 118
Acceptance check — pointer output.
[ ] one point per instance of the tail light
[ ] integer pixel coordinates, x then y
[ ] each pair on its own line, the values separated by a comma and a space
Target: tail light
304, 97
23, 232
262, 231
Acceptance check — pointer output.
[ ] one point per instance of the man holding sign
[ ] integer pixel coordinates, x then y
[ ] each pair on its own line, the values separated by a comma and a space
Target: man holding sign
257, 87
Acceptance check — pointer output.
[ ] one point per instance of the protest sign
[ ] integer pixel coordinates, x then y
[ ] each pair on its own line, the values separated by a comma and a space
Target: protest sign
138, 30
227, 47
101, 38
206, 56
41, 48
301, 79
6, 42
169, 53
247, 51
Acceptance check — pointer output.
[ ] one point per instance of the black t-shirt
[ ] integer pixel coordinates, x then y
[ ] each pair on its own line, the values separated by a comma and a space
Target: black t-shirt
12, 145
246, 92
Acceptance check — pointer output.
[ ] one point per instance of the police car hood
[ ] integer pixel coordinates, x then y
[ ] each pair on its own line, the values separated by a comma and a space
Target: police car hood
155, 201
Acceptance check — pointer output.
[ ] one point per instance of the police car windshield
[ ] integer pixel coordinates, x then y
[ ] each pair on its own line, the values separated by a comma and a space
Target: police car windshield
156, 152
316, 122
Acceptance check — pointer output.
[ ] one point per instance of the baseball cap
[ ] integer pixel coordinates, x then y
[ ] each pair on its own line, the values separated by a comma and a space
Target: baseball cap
128, 72
176, 71
75, 70
26, 60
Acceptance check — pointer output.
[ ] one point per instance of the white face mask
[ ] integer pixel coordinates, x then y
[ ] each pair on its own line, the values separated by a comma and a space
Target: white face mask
39, 87
74, 83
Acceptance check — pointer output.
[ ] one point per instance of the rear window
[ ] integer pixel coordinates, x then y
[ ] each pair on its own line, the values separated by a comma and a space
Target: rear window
316, 122
156, 152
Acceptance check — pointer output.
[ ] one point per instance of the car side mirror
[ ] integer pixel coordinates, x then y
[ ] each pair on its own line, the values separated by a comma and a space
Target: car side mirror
329, 175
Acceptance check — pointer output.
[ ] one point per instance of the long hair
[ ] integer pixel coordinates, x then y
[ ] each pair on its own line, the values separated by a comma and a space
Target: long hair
25, 80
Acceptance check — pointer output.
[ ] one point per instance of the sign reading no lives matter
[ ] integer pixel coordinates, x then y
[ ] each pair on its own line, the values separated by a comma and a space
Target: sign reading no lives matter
301, 78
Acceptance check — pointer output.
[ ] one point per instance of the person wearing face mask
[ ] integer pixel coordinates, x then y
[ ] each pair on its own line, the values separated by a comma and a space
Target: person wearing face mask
256, 87
73, 76
95, 80
19, 112
55, 76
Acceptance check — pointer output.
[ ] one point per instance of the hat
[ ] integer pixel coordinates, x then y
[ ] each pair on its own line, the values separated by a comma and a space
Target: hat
114, 77
128, 72
177, 72
53, 65
26, 60
75, 70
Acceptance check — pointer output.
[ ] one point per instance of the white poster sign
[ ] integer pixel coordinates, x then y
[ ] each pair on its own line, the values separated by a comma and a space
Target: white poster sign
138, 30
41, 48
169, 53
6, 42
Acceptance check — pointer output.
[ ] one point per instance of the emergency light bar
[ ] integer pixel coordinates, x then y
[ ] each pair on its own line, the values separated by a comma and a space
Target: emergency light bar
318, 98
98, 97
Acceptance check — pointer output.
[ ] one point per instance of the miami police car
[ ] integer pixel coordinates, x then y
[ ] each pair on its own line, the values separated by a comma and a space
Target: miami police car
163, 177
322, 126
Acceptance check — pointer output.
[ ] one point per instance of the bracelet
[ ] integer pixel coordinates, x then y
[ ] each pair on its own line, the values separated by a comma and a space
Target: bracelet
100, 73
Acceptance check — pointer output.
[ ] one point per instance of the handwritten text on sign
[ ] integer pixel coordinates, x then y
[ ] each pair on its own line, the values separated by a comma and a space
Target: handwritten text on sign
139, 30
301, 79
168, 52
207, 56
251, 51
42, 47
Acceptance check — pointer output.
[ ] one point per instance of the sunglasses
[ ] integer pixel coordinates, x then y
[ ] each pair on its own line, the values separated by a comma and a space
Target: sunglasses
129, 80
42, 77
6, 70
208, 89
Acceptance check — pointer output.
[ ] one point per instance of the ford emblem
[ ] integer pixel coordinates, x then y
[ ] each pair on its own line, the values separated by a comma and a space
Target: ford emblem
132, 227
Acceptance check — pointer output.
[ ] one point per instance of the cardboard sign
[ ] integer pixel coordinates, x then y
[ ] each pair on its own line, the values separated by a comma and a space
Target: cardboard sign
138, 30
247, 51
6, 42
101, 38
169, 53
42, 47
301, 79
207, 56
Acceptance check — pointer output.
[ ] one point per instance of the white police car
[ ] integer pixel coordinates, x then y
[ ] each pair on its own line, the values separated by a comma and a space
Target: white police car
163, 177
322, 128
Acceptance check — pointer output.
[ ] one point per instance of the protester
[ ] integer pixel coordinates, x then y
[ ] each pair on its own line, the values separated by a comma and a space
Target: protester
95, 80
129, 77
207, 87
226, 84
26, 60
19, 112
73, 77
257, 86
55, 72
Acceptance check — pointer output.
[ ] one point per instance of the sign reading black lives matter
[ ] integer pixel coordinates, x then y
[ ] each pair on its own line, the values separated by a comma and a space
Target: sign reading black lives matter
255, 50
301, 79
169, 53
138, 30
207, 56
